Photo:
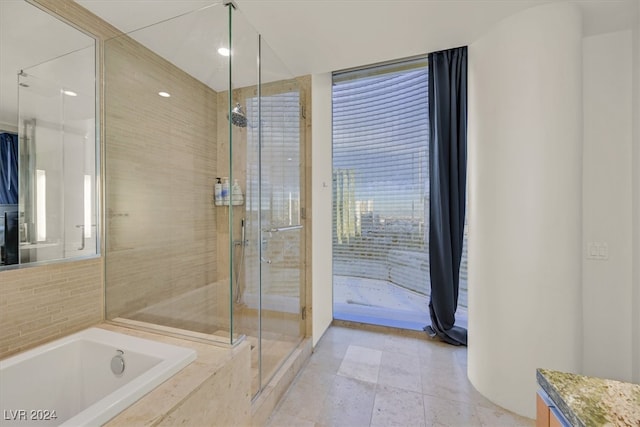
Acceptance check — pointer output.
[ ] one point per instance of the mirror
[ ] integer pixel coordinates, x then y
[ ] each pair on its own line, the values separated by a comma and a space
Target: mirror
48, 138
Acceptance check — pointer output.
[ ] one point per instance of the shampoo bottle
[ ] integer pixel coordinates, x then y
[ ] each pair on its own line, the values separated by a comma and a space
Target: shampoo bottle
236, 193
217, 195
225, 191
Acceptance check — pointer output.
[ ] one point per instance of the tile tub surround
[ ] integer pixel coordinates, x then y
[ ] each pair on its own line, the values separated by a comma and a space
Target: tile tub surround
587, 401
213, 390
41, 303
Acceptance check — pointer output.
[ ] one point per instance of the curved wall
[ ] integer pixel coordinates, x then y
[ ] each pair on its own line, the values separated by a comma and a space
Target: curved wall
525, 203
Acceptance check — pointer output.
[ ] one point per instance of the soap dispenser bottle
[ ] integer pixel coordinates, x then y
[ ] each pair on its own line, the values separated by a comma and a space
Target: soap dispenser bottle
225, 191
217, 194
236, 193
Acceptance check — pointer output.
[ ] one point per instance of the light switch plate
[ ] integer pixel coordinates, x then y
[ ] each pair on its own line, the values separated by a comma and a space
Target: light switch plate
598, 251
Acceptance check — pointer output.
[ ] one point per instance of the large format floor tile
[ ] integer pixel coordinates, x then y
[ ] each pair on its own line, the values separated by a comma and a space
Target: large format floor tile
359, 377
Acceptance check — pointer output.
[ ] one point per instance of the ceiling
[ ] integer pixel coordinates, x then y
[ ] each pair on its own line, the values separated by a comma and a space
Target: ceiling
315, 36
309, 36
323, 35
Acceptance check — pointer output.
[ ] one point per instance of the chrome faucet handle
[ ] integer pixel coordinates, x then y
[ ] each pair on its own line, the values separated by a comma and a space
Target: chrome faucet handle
81, 227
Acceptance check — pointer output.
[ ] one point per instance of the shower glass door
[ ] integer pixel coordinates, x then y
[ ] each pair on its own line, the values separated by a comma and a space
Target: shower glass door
282, 275
179, 257
271, 290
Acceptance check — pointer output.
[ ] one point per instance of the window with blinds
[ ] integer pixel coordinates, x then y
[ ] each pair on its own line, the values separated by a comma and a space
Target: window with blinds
273, 173
279, 129
380, 174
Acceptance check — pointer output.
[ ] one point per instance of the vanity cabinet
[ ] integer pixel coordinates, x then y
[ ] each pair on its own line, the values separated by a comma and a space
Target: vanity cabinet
546, 413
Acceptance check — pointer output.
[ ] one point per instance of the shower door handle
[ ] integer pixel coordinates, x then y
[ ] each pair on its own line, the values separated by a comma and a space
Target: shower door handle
81, 227
264, 243
284, 228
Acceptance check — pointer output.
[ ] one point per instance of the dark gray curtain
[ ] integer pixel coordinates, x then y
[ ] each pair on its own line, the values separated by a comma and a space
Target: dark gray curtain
8, 169
447, 175
11, 237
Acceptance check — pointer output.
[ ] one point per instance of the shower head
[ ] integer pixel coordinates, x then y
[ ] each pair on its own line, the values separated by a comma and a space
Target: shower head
238, 118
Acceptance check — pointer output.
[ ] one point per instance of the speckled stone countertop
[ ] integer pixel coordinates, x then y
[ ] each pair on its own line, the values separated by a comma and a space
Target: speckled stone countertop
588, 401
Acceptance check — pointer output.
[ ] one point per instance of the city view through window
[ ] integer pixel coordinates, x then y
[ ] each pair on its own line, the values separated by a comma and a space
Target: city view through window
381, 196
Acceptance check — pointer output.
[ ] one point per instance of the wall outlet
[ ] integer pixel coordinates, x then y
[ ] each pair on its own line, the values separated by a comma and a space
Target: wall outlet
598, 251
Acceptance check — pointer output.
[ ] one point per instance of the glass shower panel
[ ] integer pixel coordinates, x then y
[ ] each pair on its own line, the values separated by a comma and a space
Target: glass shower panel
266, 161
166, 139
180, 256
245, 162
283, 248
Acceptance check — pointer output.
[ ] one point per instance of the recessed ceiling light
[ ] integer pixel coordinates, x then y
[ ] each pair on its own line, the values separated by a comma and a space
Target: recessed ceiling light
224, 51
164, 94
69, 93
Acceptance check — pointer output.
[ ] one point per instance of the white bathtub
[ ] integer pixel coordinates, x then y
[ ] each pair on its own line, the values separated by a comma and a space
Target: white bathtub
70, 382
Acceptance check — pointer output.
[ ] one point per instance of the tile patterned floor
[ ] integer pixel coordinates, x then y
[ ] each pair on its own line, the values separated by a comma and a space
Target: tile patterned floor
359, 377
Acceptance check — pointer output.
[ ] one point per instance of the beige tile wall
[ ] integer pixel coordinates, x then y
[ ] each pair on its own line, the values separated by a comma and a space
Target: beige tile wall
39, 304
160, 158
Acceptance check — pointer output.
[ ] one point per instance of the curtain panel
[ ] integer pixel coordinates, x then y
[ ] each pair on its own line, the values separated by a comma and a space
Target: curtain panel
447, 173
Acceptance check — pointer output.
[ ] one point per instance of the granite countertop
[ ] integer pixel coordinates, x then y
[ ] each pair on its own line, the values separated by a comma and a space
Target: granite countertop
588, 401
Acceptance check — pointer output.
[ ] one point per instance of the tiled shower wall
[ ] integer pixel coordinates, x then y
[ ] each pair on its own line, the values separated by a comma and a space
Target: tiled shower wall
160, 169
285, 281
38, 304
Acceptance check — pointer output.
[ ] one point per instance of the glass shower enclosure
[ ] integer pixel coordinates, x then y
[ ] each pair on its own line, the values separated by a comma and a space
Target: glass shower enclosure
203, 156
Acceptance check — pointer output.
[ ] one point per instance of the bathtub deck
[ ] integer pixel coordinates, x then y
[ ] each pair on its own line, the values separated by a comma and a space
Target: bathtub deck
197, 311
212, 390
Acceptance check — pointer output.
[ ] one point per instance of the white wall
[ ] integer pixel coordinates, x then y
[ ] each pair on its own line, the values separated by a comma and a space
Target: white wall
607, 201
525, 204
321, 183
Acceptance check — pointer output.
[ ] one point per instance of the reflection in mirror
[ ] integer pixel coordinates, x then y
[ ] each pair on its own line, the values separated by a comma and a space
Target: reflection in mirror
47, 138
8, 198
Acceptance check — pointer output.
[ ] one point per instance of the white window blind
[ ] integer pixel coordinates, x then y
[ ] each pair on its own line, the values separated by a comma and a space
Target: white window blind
280, 131
380, 173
